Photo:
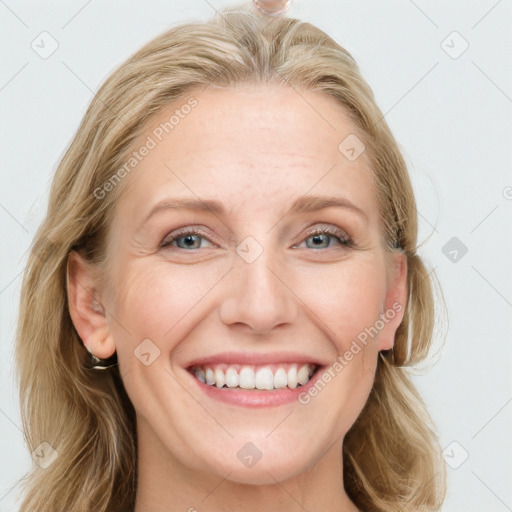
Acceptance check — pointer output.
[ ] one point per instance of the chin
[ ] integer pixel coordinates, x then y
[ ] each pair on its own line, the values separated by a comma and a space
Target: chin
263, 472
260, 462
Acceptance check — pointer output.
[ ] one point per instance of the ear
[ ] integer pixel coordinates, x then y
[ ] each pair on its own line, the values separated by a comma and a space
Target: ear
396, 299
85, 308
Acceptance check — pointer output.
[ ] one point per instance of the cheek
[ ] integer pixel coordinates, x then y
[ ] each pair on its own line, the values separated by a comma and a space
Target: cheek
163, 303
346, 297
348, 307
160, 301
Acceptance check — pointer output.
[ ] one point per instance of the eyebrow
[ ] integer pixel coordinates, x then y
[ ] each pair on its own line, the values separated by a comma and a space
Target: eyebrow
300, 205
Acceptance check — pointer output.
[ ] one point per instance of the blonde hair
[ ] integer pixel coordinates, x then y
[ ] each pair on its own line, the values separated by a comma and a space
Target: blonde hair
392, 459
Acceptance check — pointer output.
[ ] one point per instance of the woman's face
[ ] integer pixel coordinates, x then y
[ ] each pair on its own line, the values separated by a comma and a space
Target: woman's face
248, 290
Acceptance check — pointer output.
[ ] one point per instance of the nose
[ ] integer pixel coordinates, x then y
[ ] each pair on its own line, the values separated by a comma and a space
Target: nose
258, 296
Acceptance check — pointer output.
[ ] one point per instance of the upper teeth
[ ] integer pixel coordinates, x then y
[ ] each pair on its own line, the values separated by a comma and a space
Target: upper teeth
251, 377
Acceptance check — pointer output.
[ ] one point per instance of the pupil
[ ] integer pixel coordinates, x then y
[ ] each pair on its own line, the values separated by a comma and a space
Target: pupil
318, 238
189, 240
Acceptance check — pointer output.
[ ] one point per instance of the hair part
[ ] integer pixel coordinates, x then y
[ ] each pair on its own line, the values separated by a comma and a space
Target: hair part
392, 458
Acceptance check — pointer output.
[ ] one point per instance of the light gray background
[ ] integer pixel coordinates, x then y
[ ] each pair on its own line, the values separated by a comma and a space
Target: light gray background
451, 116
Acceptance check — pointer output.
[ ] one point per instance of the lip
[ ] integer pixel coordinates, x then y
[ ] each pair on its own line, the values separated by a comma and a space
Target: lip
256, 398
254, 358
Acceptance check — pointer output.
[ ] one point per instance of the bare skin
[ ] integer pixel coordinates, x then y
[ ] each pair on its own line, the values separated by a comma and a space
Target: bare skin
256, 150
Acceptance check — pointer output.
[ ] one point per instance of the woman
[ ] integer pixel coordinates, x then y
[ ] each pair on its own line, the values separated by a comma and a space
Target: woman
221, 303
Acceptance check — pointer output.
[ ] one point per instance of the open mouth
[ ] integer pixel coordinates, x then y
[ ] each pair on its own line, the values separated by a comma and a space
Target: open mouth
255, 377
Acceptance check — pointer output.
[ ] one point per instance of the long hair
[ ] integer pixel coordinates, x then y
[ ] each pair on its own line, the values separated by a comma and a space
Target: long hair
392, 458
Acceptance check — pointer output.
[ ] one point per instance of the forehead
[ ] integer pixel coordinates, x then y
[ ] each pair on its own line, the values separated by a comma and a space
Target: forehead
249, 145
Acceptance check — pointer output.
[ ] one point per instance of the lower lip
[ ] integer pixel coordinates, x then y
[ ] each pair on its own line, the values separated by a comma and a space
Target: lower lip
256, 398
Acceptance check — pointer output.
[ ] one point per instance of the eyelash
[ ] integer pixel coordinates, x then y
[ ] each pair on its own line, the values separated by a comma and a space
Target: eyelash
335, 232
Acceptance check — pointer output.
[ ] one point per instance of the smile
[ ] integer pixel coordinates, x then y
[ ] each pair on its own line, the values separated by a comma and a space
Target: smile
256, 377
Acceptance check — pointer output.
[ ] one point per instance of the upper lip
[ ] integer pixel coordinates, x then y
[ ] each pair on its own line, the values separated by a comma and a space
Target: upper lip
255, 358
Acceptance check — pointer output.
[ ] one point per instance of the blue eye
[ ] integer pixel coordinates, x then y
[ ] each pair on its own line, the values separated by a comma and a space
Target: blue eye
323, 235
190, 239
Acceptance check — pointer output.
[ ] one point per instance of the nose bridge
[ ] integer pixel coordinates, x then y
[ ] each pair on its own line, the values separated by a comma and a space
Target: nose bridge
257, 295
260, 273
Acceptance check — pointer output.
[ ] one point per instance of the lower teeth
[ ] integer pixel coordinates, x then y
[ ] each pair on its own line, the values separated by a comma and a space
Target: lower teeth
255, 389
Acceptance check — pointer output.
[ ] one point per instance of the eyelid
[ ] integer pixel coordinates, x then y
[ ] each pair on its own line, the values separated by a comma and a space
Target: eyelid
329, 229
187, 230
318, 228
